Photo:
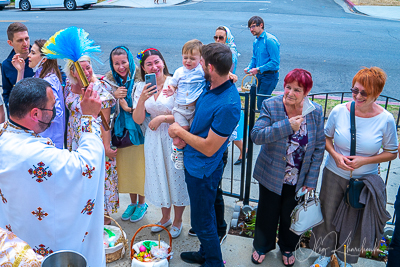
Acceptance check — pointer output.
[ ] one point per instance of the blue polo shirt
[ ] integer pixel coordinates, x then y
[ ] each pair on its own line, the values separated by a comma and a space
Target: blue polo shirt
219, 110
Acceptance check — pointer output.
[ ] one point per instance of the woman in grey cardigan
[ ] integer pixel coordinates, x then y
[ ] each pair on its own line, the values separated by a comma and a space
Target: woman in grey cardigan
290, 157
376, 142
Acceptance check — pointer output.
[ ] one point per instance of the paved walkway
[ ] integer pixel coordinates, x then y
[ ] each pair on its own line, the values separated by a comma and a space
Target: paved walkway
139, 3
236, 250
383, 12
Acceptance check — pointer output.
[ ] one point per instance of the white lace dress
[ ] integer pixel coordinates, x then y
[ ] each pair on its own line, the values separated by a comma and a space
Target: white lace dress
164, 185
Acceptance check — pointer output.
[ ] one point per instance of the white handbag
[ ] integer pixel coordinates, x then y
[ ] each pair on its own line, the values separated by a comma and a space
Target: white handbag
306, 214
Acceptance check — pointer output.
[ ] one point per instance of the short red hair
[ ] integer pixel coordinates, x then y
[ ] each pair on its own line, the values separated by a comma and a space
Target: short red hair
372, 79
302, 77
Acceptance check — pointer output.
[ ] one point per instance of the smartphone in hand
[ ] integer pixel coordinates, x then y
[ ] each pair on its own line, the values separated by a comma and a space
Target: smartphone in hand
151, 78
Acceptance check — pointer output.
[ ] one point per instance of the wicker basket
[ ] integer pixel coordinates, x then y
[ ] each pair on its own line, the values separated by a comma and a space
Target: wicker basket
121, 245
246, 87
164, 262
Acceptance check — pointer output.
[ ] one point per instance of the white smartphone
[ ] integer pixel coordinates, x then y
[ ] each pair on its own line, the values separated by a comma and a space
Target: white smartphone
308, 107
151, 78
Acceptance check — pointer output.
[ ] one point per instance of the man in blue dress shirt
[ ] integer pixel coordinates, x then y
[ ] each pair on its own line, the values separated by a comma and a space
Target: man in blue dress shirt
216, 116
18, 38
265, 61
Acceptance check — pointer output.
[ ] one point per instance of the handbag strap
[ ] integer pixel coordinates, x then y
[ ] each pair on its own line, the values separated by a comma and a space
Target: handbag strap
352, 132
352, 129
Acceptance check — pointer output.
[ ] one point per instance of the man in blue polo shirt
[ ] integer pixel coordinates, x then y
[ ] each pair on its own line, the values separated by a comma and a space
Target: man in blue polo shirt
217, 114
18, 38
265, 61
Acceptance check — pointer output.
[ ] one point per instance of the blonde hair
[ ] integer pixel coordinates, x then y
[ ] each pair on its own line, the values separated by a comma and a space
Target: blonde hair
70, 67
191, 46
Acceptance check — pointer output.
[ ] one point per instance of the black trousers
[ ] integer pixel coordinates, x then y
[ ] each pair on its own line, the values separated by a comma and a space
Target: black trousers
219, 204
273, 209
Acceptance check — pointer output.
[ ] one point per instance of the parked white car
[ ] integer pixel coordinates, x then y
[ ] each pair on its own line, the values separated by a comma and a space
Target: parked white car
26, 5
4, 3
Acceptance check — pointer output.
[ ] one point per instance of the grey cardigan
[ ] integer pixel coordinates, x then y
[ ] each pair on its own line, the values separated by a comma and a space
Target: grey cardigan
272, 130
372, 219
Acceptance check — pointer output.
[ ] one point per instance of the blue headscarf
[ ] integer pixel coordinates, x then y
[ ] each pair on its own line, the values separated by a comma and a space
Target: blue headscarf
124, 119
230, 41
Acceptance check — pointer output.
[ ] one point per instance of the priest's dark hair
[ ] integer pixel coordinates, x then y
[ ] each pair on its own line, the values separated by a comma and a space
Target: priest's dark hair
27, 94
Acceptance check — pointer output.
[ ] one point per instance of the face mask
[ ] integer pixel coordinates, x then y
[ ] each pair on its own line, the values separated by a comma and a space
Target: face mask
48, 124
38, 65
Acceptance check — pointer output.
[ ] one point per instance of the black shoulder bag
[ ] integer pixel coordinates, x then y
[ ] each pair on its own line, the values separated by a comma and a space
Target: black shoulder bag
353, 191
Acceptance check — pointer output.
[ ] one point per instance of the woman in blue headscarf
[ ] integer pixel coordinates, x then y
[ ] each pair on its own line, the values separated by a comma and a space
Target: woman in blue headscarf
130, 160
224, 36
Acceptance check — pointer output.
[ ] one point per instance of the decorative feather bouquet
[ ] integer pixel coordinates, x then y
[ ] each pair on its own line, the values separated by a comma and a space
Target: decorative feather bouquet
71, 44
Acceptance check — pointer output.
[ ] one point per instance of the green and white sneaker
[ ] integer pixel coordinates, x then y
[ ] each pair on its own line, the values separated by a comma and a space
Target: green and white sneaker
128, 212
139, 213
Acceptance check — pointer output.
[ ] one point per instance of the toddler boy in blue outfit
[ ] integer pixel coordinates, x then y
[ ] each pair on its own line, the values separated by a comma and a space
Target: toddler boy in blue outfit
187, 83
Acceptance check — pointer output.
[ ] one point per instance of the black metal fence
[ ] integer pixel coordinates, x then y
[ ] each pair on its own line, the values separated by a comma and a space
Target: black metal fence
250, 112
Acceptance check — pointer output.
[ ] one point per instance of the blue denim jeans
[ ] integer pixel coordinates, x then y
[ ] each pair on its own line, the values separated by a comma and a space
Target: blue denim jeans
202, 194
394, 249
266, 84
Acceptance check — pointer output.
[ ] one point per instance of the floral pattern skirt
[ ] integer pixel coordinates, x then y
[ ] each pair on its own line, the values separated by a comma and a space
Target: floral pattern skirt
111, 197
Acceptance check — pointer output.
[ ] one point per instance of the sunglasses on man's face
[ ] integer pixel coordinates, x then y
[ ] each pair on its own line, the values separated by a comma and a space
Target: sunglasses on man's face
355, 91
216, 38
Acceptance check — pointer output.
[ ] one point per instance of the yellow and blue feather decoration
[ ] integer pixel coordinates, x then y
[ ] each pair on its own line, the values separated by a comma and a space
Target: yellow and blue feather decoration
70, 43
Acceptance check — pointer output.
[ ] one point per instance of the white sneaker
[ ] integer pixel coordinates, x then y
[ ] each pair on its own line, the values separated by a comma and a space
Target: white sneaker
322, 261
179, 160
341, 263
175, 231
156, 229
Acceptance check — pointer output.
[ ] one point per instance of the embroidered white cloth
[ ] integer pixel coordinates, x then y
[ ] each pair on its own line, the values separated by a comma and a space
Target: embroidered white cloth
52, 198
15, 252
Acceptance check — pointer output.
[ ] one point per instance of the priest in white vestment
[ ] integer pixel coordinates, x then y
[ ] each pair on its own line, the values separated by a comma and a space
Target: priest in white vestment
52, 198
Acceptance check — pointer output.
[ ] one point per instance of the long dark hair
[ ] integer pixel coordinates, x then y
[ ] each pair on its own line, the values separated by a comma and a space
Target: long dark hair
50, 65
152, 52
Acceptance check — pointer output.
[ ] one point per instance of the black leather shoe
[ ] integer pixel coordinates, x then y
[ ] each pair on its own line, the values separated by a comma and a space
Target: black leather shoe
238, 162
192, 257
191, 232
